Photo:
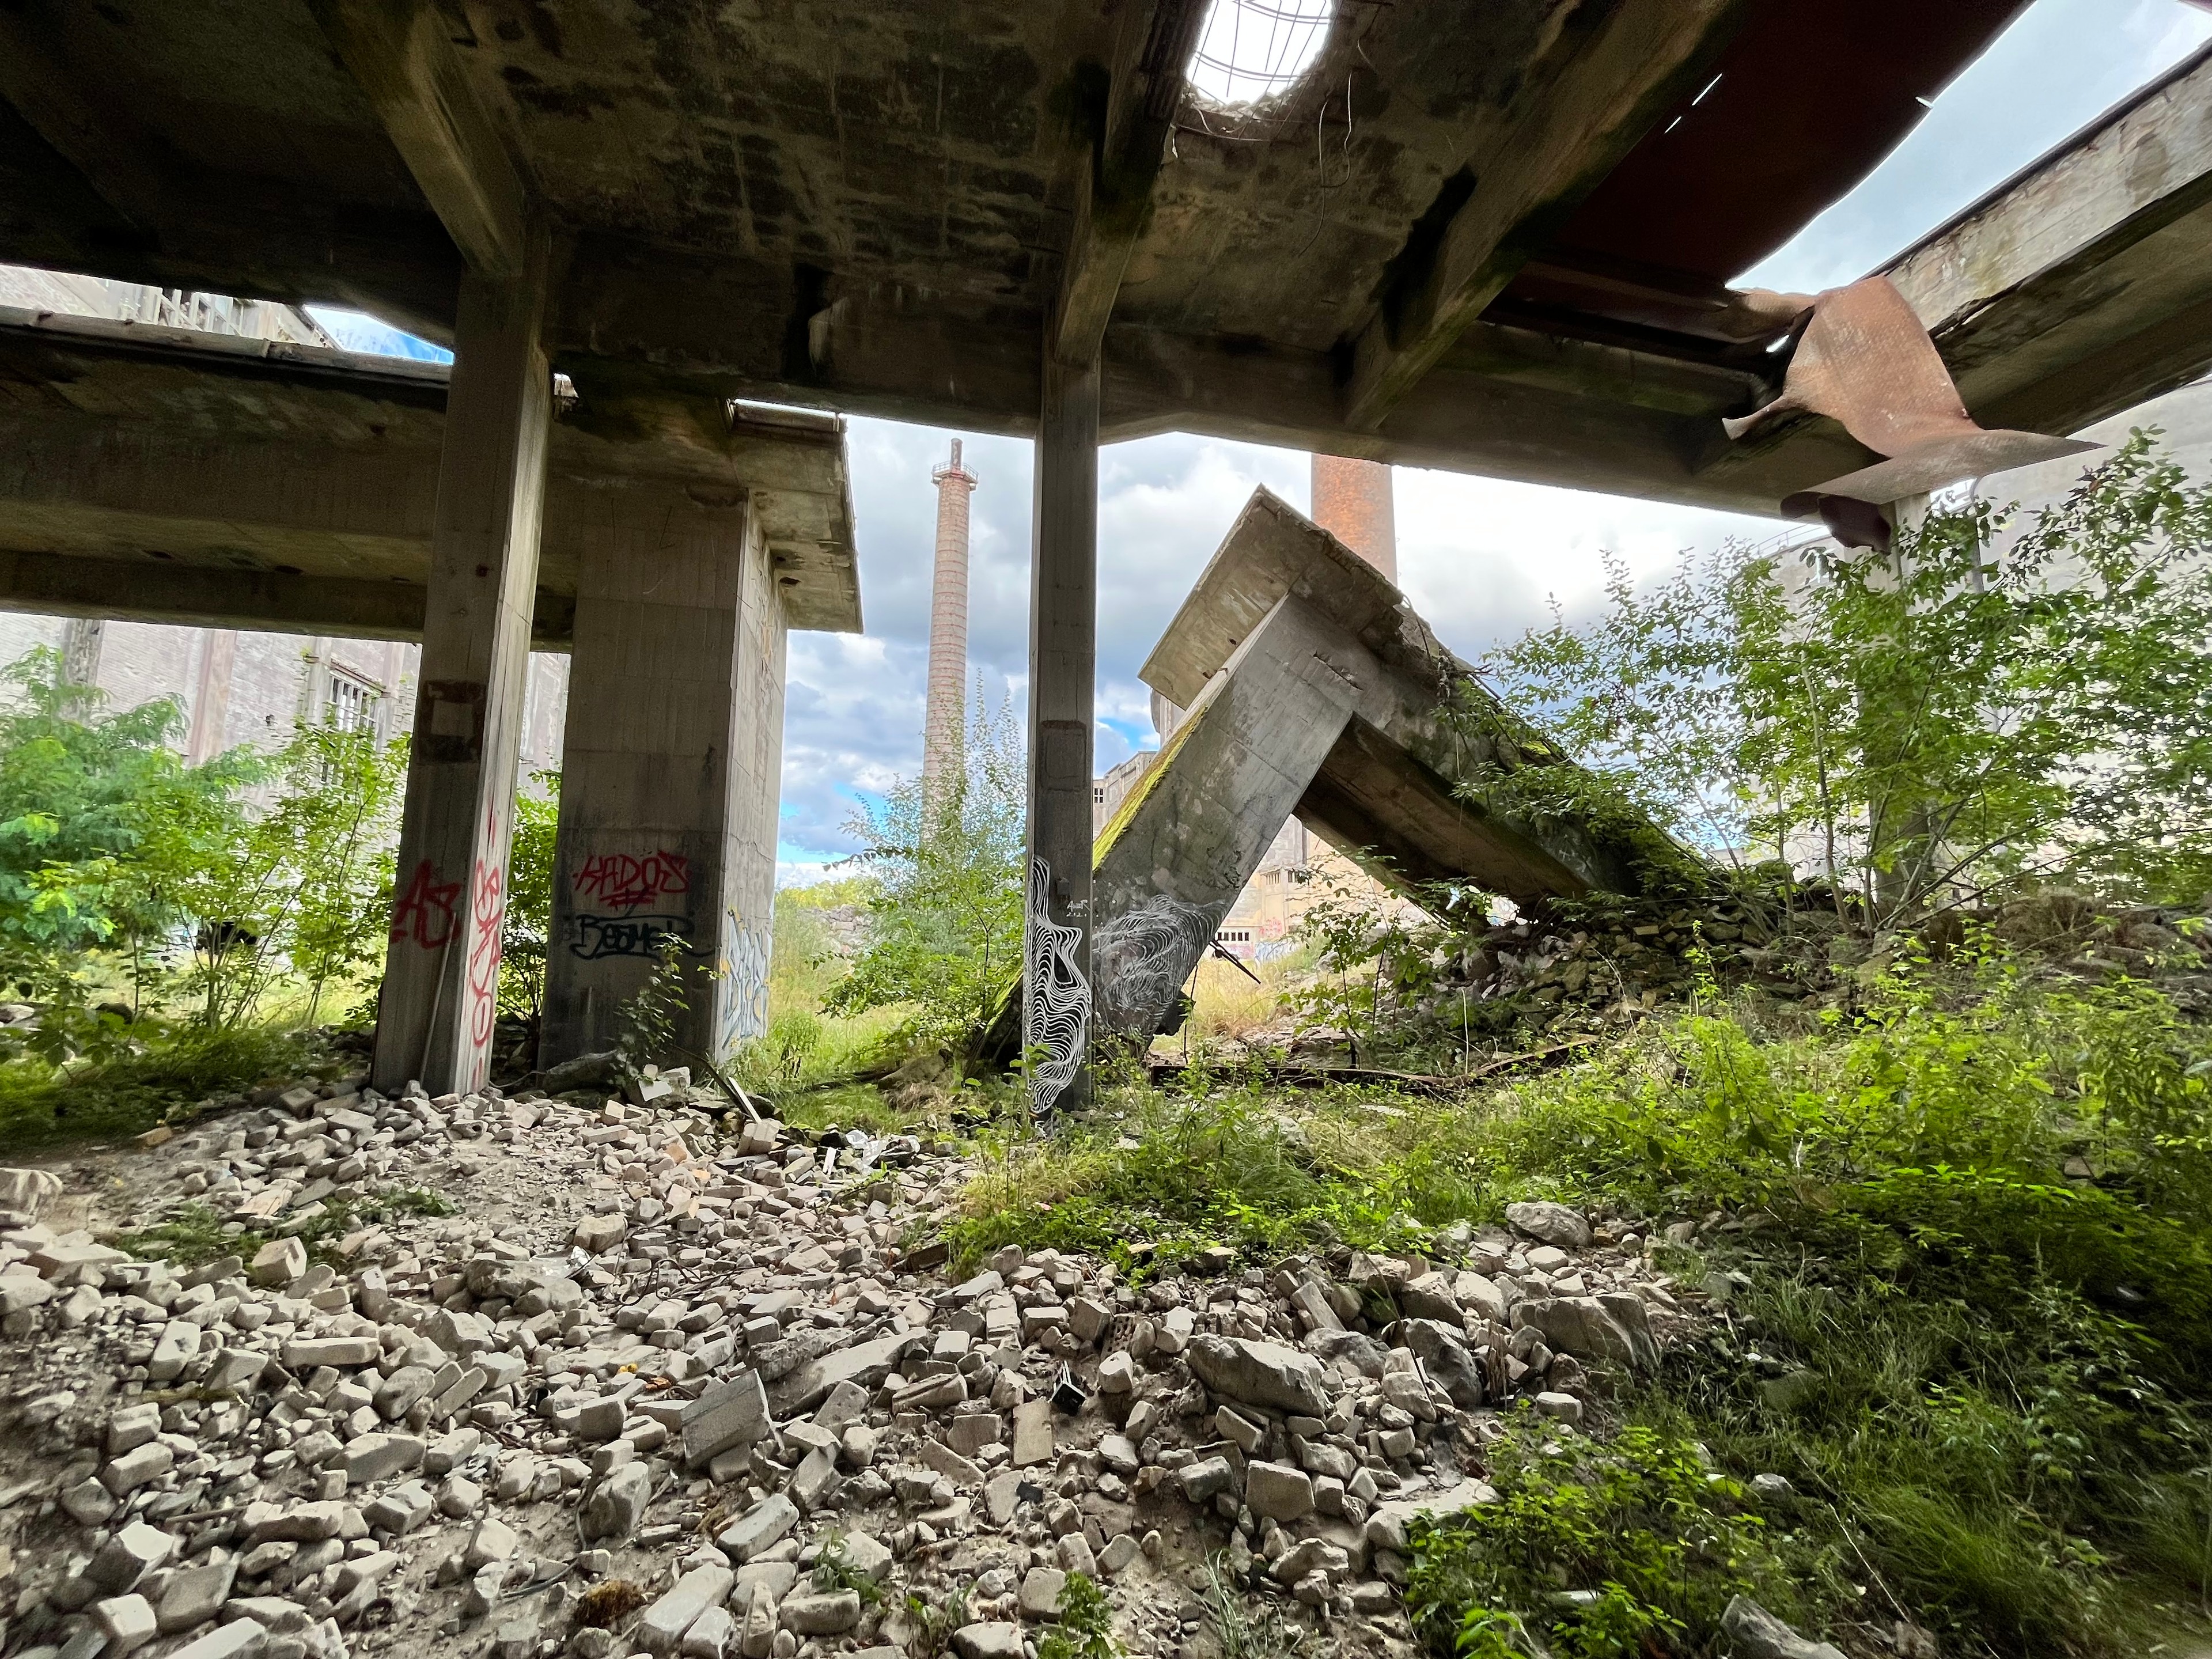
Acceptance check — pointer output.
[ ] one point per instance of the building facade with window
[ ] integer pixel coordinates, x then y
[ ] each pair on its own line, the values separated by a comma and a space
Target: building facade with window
235, 686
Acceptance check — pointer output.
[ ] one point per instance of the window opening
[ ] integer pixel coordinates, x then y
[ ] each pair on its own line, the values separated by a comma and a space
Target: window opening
353, 705
1251, 50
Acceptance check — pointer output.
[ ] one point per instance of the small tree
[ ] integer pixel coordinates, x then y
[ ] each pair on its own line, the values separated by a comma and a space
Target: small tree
527, 935
944, 926
305, 885
1952, 719
102, 825
338, 823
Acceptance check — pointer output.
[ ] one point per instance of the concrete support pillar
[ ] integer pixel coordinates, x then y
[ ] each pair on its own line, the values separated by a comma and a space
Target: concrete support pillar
669, 785
1063, 655
442, 966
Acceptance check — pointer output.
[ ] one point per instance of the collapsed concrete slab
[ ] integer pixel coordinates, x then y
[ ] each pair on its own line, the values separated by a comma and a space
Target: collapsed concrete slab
1311, 687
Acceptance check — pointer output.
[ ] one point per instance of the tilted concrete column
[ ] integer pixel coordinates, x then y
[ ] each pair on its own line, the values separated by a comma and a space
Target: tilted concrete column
442, 966
1063, 656
1190, 835
668, 783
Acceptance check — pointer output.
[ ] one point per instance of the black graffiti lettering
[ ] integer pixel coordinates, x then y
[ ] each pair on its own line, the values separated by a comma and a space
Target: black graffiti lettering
628, 936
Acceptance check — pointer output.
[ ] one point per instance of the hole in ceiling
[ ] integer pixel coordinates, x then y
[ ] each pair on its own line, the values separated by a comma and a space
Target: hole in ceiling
1249, 51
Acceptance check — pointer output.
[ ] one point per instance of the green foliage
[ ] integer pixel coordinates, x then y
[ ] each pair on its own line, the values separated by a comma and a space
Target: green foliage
333, 830
527, 934
1243, 1631
834, 1570
646, 1031
145, 1070
808, 960
195, 1233
1606, 1551
302, 886
935, 1621
945, 928
102, 827
1990, 704
1086, 1630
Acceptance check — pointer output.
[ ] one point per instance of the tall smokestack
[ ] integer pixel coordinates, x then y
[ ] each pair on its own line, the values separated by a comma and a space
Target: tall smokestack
945, 720
1351, 502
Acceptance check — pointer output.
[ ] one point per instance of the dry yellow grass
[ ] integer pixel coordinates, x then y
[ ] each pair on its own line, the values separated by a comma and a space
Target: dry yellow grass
1231, 1005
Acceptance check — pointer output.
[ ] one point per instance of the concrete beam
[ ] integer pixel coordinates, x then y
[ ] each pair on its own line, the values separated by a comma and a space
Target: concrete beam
243, 476
59, 585
1189, 837
1393, 789
2049, 319
110, 147
1153, 42
1610, 77
401, 52
1312, 687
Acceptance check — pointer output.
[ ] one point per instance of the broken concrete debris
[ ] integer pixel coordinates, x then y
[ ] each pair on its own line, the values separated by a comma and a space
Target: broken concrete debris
701, 1382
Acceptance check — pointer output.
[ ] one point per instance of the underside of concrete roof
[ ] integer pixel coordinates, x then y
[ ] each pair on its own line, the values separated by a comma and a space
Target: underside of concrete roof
1496, 237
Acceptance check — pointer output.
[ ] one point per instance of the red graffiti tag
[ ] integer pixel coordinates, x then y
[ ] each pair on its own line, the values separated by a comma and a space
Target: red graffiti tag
424, 913
617, 881
489, 909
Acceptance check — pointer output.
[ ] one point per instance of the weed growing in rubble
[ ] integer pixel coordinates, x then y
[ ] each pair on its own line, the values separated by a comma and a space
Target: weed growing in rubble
1086, 1630
1622, 1548
1245, 1630
834, 1570
195, 1234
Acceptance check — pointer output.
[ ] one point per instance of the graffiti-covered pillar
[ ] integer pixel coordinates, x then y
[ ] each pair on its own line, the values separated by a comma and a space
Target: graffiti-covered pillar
1063, 665
442, 964
669, 779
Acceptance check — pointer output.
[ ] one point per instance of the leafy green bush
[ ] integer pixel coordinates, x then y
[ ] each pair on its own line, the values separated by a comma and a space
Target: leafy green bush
1606, 1551
944, 924
1990, 703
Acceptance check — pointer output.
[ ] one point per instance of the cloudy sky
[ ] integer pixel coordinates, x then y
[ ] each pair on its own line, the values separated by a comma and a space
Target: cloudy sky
1480, 558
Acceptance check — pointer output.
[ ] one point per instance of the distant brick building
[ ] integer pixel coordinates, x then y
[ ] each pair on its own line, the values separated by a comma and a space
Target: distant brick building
235, 686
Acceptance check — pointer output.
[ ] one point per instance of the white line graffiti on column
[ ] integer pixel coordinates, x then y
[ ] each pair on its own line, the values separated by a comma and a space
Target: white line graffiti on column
1057, 1010
745, 964
1140, 959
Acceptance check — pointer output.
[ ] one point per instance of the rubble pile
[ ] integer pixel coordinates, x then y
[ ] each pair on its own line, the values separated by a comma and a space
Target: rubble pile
651, 1391
1593, 965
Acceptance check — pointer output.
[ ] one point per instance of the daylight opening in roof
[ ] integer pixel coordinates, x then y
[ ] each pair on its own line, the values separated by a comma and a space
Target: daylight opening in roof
1250, 50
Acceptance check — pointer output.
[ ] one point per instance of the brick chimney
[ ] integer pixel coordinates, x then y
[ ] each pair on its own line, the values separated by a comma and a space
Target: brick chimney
1351, 502
945, 720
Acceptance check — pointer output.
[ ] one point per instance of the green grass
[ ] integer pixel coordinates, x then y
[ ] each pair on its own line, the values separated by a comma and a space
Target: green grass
196, 1233
1999, 1414
41, 1105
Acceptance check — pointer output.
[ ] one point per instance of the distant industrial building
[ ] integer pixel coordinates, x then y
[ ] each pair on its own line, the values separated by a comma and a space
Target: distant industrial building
238, 687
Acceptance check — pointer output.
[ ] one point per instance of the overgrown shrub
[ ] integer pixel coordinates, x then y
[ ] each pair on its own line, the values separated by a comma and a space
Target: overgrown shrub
944, 936
1991, 702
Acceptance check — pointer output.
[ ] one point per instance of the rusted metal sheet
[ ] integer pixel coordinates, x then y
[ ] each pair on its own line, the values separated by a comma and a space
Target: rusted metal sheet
1865, 361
